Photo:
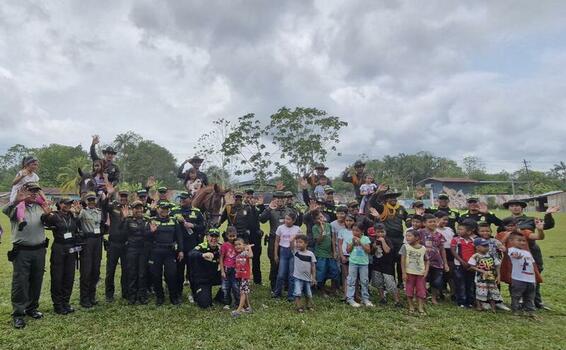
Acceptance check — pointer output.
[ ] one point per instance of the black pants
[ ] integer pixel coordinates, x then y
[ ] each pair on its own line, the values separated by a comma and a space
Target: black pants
90, 258
63, 266
163, 260
273, 266
182, 273
397, 259
136, 263
526, 292
203, 295
27, 279
256, 260
116, 251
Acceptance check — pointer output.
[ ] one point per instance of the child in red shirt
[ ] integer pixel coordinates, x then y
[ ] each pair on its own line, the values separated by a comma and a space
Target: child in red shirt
230, 291
243, 275
463, 248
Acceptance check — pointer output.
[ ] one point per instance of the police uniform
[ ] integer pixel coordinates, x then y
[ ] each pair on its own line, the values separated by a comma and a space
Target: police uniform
115, 249
204, 273
240, 216
63, 258
356, 179
90, 257
255, 238
110, 167
453, 214
488, 217
191, 237
200, 175
167, 242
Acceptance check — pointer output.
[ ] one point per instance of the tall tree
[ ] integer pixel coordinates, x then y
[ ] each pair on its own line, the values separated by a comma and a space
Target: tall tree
473, 167
52, 159
124, 144
150, 159
218, 175
68, 176
209, 146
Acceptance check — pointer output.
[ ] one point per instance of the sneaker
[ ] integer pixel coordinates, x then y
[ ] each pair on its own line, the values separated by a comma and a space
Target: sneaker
191, 299
248, 310
235, 314
226, 307
354, 304
19, 322
368, 303
502, 306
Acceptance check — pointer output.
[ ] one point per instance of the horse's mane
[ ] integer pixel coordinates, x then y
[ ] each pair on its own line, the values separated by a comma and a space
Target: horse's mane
201, 195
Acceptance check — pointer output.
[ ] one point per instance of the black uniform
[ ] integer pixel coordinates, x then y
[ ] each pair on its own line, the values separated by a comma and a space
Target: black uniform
240, 216
480, 217
115, 250
111, 167
204, 274
357, 180
191, 237
63, 257
255, 238
138, 245
167, 242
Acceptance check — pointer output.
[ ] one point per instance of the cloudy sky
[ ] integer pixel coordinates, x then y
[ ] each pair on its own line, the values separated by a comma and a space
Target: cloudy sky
456, 78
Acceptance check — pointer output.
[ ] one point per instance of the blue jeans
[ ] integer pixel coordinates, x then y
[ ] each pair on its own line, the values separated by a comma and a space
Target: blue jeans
285, 272
230, 285
355, 271
326, 268
302, 289
436, 278
465, 289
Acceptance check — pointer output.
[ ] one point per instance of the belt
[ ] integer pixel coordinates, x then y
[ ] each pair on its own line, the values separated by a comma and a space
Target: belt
31, 247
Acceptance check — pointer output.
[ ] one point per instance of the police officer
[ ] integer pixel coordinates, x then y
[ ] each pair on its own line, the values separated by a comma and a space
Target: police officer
361, 219
138, 245
109, 154
196, 162
478, 212
356, 177
275, 214
63, 254
191, 222
443, 205
255, 233
319, 170
116, 244
204, 259
143, 196
167, 249
27, 255
90, 219
239, 215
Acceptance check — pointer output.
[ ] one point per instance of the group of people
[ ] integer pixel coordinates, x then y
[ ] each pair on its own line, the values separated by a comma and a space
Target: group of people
315, 247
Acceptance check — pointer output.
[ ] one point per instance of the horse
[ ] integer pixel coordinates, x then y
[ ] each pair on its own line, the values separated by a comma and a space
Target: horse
210, 200
86, 183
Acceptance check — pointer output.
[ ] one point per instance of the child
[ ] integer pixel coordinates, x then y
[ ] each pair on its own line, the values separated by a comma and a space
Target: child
383, 274
463, 248
359, 247
319, 193
487, 268
243, 275
230, 291
414, 264
26, 175
366, 190
193, 183
99, 176
283, 254
446, 232
304, 273
325, 243
417, 223
496, 248
523, 282
343, 236
434, 244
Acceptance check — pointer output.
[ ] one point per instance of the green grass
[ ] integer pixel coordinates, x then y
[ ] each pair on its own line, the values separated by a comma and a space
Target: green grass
275, 325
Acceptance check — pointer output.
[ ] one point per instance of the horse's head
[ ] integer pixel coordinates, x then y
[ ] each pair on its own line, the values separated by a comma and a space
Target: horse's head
86, 183
210, 200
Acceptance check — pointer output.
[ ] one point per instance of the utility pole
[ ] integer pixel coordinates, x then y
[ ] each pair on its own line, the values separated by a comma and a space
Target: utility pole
526, 166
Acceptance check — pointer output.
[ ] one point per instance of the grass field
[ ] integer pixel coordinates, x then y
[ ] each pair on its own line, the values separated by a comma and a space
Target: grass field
275, 324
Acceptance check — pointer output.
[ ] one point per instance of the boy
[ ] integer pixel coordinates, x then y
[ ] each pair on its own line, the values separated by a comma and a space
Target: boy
319, 192
414, 264
442, 221
523, 282
304, 273
496, 248
462, 248
383, 274
487, 269
434, 244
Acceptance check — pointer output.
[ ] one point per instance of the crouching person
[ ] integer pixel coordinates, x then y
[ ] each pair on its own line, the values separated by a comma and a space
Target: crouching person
204, 259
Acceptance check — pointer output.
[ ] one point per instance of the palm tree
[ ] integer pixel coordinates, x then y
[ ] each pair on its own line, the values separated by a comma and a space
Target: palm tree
68, 176
560, 170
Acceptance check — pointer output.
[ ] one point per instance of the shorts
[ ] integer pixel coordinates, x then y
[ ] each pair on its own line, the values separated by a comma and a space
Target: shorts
244, 286
415, 286
302, 288
384, 281
488, 291
326, 268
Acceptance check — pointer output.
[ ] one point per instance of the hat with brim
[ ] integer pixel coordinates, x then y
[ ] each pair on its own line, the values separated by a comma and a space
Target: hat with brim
288, 194
109, 150
136, 204
391, 194
418, 204
278, 194
162, 189
238, 194
359, 163
213, 232
32, 186
481, 242
196, 159
123, 193
321, 166
184, 195
329, 189
90, 195
352, 204
443, 196
473, 200
66, 200
164, 205
507, 204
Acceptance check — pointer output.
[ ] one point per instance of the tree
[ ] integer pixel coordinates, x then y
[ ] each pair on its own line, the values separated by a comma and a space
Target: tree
304, 136
124, 144
10, 163
147, 158
473, 167
288, 179
52, 159
218, 175
244, 148
209, 144
559, 171
68, 176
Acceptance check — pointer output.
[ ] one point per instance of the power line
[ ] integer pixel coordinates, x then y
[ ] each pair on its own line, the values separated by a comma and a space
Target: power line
526, 166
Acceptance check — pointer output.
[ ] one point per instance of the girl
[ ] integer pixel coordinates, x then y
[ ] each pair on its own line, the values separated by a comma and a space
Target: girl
193, 183
228, 267
358, 248
343, 236
243, 275
283, 254
99, 176
366, 190
414, 264
26, 175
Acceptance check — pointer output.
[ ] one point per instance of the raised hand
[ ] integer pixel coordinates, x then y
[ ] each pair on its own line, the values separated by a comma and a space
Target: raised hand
95, 139
553, 209
110, 188
419, 193
208, 256
273, 204
279, 186
313, 205
303, 183
124, 211
482, 208
373, 212
150, 182
382, 188
152, 227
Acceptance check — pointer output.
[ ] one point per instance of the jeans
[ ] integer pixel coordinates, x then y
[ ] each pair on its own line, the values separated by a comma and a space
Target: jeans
436, 278
465, 289
230, 288
355, 271
302, 289
285, 272
326, 268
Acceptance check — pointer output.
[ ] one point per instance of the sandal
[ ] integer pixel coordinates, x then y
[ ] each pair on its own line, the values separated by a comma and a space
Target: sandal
300, 310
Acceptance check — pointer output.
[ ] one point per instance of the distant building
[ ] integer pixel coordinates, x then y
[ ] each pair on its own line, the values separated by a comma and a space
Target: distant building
449, 184
549, 199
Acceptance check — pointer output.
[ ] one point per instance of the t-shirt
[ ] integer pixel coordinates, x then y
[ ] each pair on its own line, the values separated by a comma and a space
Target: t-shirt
322, 249
523, 265
302, 264
228, 254
319, 192
242, 266
414, 259
24, 180
384, 262
464, 248
287, 234
368, 188
345, 235
434, 244
448, 234
336, 227
485, 262
358, 255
